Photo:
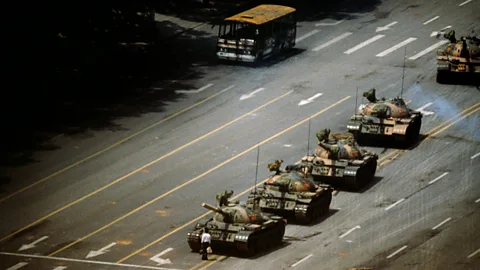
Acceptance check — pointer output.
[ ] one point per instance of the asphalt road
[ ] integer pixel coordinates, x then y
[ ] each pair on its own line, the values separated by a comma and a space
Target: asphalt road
133, 194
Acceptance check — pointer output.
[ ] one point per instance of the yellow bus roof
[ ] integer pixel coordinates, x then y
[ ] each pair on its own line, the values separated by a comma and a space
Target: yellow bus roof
261, 14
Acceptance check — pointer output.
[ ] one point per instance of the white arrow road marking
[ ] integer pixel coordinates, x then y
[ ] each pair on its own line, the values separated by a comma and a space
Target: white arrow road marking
476, 155
32, 245
349, 231
422, 109
328, 43
438, 178
386, 27
396, 252
391, 206
466, 2
474, 253
441, 223
441, 32
17, 266
429, 49
396, 47
302, 260
130, 266
309, 100
101, 251
363, 44
60, 268
252, 94
159, 260
194, 91
431, 20
329, 24
311, 33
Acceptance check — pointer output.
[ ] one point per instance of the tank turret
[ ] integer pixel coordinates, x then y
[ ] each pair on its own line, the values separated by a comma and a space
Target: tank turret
339, 160
458, 56
237, 227
291, 193
385, 118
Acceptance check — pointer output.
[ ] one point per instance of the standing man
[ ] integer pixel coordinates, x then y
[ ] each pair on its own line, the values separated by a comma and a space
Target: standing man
206, 239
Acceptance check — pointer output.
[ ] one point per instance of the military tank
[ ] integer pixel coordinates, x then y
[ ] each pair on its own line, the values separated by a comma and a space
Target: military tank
385, 118
339, 161
237, 227
459, 56
291, 193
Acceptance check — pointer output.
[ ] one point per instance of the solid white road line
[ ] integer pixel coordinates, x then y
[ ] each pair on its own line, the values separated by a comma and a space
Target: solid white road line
438, 178
329, 24
349, 231
429, 49
17, 266
393, 48
85, 261
363, 44
474, 253
328, 43
441, 223
311, 33
476, 155
431, 20
194, 91
396, 252
466, 2
391, 206
302, 260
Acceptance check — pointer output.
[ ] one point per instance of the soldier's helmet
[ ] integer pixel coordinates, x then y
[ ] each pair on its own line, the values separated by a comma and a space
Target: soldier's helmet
323, 134
275, 166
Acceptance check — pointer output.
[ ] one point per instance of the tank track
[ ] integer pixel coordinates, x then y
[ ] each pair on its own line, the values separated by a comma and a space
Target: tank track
363, 176
262, 240
307, 213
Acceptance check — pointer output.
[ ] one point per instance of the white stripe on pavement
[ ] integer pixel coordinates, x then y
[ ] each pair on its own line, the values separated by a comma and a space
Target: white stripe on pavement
396, 47
476, 155
328, 43
474, 253
466, 2
363, 44
438, 178
431, 20
132, 266
396, 252
17, 266
302, 260
441, 223
391, 206
311, 33
429, 49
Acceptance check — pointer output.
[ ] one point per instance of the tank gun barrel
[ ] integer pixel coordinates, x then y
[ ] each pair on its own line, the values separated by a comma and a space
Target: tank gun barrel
215, 209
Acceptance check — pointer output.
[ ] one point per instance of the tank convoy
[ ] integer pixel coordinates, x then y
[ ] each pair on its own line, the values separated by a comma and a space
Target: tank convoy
385, 118
291, 193
237, 227
339, 161
459, 56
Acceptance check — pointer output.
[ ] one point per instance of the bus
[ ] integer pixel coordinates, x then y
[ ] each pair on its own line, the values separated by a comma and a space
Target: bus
257, 33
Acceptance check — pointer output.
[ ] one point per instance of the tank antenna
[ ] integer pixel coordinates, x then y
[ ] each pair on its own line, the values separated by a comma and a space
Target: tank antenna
308, 142
356, 97
256, 175
403, 75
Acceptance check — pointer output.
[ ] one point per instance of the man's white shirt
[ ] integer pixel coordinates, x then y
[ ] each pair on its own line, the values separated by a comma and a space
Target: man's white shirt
206, 238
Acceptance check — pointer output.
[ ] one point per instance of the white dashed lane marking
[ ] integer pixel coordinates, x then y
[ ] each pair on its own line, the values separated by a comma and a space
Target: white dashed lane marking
328, 43
396, 47
363, 44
